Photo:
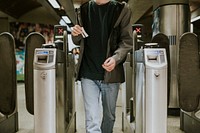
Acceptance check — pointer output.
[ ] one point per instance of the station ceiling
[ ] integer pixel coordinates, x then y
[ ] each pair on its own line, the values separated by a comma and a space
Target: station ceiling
143, 8
42, 11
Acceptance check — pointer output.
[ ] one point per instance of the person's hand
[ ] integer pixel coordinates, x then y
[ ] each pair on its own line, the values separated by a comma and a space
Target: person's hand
76, 30
109, 64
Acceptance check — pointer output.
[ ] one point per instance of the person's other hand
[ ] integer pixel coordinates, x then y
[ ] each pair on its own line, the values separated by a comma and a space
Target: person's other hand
76, 30
109, 64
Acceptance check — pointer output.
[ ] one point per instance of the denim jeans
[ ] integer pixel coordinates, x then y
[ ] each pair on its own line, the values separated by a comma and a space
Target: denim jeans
92, 90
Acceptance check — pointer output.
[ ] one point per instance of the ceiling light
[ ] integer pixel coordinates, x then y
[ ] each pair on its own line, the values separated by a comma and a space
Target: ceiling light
66, 19
54, 3
195, 19
62, 22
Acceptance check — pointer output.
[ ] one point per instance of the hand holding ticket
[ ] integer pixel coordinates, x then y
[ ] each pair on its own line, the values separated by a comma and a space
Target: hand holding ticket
76, 30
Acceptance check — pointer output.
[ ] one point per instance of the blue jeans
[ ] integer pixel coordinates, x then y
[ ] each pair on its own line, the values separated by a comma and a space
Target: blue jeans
91, 94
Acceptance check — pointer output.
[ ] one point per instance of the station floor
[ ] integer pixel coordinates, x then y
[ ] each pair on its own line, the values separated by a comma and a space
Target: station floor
26, 120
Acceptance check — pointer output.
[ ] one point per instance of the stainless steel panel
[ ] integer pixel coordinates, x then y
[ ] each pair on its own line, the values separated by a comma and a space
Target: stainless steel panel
140, 98
158, 3
60, 99
44, 101
155, 90
49, 92
70, 93
156, 101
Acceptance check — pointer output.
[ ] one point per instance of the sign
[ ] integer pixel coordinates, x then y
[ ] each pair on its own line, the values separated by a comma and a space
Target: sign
139, 30
59, 31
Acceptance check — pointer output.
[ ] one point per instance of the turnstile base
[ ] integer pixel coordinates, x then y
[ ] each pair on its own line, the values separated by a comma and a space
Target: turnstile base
10, 124
189, 124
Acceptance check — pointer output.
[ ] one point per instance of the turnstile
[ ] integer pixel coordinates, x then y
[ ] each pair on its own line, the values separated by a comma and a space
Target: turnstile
49, 90
54, 81
8, 85
155, 91
150, 91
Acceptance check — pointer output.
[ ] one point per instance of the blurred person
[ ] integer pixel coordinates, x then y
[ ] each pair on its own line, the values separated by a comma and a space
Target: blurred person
38, 28
104, 34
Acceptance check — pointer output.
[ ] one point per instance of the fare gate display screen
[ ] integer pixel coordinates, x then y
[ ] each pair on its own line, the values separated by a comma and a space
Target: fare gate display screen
139, 30
44, 56
59, 31
155, 57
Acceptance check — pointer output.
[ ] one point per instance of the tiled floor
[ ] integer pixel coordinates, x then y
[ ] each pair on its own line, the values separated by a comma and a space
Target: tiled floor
26, 120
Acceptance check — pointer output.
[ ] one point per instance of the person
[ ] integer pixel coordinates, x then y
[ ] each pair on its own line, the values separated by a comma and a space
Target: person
104, 34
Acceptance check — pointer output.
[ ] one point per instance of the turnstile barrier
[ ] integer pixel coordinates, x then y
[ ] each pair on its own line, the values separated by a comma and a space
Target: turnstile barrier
33, 40
8, 85
189, 80
189, 72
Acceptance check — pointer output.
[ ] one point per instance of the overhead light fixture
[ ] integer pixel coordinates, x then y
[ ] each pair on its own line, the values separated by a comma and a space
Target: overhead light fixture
195, 19
54, 3
66, 19
62, 22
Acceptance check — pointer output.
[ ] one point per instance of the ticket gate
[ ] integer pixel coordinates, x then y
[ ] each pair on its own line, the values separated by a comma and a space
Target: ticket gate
8, 85
151, 90
50, 93
189, 80
49, 90
133, 113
